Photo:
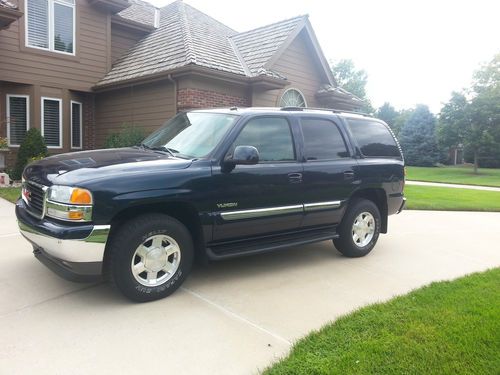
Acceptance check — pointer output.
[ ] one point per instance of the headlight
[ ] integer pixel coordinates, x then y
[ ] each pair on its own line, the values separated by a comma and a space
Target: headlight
69, 203
69, 195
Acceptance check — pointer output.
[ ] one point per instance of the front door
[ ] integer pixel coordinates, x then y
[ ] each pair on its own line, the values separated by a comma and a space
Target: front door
261, 199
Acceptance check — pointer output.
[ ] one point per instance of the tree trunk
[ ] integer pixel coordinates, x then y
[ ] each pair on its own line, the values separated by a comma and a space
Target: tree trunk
475, 162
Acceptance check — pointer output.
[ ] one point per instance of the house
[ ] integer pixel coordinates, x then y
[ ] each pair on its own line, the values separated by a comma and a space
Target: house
80, 69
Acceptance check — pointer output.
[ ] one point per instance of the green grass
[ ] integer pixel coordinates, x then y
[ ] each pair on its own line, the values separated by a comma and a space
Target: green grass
455, 175
10, 193
450, 199
444, 328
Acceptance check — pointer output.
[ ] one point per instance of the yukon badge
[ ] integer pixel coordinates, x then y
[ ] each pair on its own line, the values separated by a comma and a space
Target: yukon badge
227, 205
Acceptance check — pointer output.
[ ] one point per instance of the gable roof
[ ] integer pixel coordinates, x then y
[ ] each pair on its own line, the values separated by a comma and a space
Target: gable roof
140, 12
188, 37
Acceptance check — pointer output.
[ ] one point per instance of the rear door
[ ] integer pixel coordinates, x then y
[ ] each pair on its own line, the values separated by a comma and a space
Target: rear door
329, 171
261, 199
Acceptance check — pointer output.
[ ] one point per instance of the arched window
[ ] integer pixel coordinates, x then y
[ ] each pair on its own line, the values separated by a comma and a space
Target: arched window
292, 98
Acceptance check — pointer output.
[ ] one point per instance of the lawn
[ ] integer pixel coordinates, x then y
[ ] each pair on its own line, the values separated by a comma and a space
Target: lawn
450, 199
444, 328
455, 175
10, 193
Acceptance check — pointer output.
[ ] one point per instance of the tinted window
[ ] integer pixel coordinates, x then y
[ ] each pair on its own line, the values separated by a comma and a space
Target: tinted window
322, 140
271, 136
373, 138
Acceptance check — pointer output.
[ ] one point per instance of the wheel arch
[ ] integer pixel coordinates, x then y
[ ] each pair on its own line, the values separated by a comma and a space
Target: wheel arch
184, 212
379, 197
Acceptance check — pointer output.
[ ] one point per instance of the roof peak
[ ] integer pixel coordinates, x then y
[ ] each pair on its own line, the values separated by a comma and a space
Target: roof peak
270, 25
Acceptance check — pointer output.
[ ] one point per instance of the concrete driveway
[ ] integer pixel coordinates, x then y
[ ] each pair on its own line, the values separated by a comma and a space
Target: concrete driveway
234, 317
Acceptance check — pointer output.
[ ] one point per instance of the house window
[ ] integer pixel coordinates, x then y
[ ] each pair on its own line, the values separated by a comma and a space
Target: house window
17, 118
52, 122
50, 25
76, 125
293, 98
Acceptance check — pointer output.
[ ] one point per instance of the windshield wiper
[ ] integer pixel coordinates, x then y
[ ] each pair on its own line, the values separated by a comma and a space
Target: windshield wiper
170, 151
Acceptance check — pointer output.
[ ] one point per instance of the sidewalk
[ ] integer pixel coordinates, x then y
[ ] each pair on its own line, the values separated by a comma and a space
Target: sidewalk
457, 186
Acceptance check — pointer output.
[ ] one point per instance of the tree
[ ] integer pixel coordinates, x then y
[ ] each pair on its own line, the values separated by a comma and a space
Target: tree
475, 121
418, 138
352, 80
33, 146
388, 114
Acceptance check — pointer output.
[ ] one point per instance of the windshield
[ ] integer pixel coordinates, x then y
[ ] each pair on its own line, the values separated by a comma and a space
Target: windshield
192, 135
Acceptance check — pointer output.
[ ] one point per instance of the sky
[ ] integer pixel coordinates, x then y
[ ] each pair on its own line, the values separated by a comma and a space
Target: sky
415, 52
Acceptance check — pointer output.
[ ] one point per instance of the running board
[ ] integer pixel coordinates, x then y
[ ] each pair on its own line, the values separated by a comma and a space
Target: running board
233, 250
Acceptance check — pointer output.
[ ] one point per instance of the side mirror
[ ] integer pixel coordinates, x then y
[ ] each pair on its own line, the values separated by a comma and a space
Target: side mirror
246, 155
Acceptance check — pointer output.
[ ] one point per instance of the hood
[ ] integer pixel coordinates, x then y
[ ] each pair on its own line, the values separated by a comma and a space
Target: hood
85, 166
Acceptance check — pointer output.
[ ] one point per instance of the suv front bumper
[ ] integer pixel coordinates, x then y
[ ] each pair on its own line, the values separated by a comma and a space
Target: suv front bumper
73, 252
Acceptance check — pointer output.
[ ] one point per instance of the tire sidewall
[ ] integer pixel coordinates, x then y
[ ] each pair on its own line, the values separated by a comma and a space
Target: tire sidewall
356, 209
122, 272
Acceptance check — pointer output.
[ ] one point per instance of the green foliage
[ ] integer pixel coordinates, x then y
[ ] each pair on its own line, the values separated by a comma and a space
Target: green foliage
32, 146
3, 143
472, 118
128, 136
11, 194
451, 199
455, 175
450, 327
349, 78
388, 114
418, 138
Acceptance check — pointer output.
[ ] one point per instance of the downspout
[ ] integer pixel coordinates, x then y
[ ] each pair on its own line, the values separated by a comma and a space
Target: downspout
174, 82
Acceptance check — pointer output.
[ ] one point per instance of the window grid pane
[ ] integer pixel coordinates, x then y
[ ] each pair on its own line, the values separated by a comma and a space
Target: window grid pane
38, 23
51, 122
18, 119
63, 28
76, 125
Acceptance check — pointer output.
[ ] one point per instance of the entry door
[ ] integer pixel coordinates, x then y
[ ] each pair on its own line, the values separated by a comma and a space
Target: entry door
329, 172
261, 199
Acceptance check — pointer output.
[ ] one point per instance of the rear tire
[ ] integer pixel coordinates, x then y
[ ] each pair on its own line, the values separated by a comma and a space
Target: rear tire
359, 229
150, 256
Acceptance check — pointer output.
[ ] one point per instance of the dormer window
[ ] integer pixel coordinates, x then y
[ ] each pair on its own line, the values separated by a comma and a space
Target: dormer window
50, 25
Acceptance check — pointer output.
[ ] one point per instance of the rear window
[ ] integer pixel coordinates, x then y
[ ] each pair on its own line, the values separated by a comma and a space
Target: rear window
322, 140
373, 138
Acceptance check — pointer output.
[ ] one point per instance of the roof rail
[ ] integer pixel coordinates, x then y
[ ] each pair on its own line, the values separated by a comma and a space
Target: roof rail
324, 109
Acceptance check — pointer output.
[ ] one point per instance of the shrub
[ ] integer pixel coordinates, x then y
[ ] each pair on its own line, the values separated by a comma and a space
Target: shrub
3, 143
128, 136
32, 146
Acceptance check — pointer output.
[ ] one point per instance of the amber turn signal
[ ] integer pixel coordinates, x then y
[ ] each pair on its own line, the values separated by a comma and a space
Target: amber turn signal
80, 196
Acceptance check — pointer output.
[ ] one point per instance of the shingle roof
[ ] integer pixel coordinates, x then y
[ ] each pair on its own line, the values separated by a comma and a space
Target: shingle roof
7, 4
186, 36
257, 46
139, 11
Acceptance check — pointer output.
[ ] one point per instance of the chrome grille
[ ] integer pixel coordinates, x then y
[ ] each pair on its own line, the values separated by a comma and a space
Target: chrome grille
35, 196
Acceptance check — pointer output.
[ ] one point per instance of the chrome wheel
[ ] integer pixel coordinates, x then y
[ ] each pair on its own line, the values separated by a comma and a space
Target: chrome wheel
156, 260
363, 229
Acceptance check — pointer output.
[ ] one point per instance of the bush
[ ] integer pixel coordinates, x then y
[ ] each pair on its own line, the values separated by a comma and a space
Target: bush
33, 146
128, 136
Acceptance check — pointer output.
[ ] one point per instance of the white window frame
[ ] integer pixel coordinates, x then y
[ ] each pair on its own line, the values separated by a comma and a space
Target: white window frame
7, 102
50, 21
293, 89
81, 124
43, 98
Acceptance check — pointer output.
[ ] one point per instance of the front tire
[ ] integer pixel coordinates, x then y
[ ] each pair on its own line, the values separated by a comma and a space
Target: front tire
359, 229
150, 256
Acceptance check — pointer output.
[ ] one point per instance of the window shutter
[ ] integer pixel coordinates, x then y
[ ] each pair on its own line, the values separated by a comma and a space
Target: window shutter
18, 119
38, 23
51, 122
76, 125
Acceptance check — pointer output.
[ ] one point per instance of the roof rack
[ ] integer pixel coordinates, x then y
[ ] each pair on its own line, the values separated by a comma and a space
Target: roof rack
324, 109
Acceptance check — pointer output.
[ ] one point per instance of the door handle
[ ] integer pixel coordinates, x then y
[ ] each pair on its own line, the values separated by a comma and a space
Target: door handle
348, 175
295, 178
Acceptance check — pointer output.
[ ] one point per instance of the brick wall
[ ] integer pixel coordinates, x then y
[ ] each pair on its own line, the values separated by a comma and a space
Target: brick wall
188, 98
88, 118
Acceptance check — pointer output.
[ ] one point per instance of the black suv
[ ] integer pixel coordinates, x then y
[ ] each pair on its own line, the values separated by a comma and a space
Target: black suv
211, 185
